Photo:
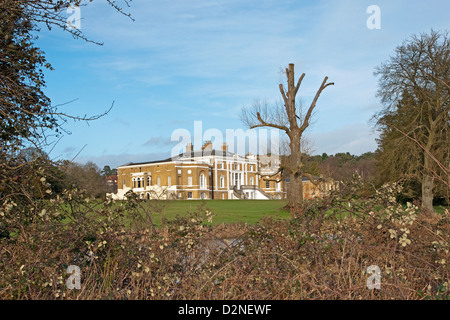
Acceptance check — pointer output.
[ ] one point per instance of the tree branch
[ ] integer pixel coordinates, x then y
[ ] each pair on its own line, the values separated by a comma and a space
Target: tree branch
313, 103
265, 124
299, 83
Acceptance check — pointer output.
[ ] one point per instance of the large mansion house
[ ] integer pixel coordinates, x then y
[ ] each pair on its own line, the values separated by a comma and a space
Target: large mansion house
208, 174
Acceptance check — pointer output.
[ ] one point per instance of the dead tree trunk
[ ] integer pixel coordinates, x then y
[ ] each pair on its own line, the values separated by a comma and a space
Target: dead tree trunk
294, 128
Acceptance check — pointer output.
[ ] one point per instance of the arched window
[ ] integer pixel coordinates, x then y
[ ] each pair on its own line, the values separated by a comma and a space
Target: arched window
202, 181
149, 181
267, 184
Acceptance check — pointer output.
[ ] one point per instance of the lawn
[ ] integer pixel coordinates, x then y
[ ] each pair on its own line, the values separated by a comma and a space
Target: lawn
226, 211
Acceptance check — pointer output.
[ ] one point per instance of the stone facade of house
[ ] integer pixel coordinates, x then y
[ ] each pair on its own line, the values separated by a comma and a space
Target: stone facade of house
205, 174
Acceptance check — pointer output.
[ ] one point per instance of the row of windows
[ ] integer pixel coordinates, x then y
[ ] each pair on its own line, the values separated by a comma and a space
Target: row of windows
139, 182
236, 167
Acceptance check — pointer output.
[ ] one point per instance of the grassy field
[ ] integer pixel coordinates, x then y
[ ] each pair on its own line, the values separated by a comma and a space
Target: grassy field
226, 211
233, 211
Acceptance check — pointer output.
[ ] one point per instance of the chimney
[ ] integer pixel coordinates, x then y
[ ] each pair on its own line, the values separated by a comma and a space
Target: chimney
189, 147
224, 147
207, 146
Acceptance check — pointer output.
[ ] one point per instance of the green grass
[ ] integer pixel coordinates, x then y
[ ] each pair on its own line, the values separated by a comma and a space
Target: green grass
227, 211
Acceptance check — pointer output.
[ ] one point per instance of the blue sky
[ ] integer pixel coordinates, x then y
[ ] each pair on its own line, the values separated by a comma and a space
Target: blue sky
186, 61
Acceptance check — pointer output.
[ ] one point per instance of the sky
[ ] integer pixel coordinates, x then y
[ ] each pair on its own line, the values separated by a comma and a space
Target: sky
180, 62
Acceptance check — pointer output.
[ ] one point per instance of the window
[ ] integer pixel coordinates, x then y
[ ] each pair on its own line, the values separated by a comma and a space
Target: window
159, 181
267, 184
139, 182
236, 167
222, 181
189, 195
149, 179
190, 181
202, 181
252, 182
278, 186
219, 166
124, 182
169, 181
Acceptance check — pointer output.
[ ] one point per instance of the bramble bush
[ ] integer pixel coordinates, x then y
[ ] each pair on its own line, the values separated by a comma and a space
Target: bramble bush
323, 252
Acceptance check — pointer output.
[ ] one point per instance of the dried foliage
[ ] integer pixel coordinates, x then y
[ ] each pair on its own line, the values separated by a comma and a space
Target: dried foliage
323, 254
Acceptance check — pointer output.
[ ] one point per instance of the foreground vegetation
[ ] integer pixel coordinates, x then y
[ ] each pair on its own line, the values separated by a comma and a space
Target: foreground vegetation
322, 252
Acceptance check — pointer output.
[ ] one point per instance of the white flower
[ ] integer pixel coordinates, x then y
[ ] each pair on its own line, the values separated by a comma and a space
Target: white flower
393, 233
404, 241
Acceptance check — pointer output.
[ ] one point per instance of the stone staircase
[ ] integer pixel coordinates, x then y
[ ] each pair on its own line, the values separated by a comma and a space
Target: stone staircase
240, 194
237, 193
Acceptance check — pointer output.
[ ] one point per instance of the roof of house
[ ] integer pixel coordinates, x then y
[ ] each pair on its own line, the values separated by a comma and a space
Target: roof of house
185, 155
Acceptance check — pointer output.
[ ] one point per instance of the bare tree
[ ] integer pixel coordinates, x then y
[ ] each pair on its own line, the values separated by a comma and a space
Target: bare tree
290, 119
412, 85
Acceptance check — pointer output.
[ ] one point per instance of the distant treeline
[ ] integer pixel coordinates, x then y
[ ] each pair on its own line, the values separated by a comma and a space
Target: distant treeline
342, 166
66, 175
